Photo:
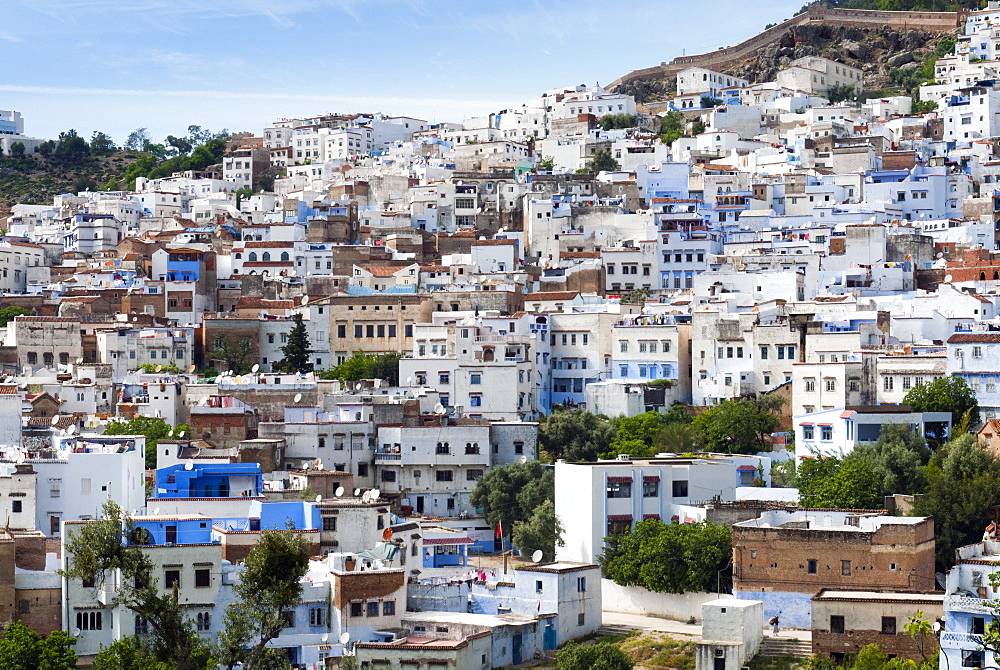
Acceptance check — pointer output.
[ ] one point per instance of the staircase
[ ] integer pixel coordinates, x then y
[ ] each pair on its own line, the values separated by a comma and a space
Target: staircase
779, 646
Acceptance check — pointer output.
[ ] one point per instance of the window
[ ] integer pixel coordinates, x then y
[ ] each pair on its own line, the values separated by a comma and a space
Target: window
972, 659
473, 475
650, 489
15, 506
476, 379
172, 578
444, 378
475, 400
811, 566
89, 620
581, 584
580, 619
808, 433
619, 489
357, 609
388, 475
330, 523
887, 383
826, 433
888, 625
763, 352
623, 346
316, 617
831, 384
141, 626
538, 586
977, 626
389, 608
202, 577
203, 621
810, 385
445, 475
373, 608
837, 624
845, 568
679, 488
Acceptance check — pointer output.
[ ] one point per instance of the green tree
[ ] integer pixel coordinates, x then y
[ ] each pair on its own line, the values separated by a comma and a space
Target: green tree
963, 482
137, 139
150, 368
238, 357
897, 458
616, 121
71, 147
600, 656
739, 426
945, 394
919, 628
179, 145
46, 148
636, 435
830, 482
603, 161
923, 106
17, 149
296, 349
269, 587
7, 314
98, 551
671, 126
242, 194
547, 164
511, 493
154, 428
708, 102
678, 437
23, 649
101, 144
366, 366
670, 558
574, 435
128, 653
542, 530
698, 127
841, 93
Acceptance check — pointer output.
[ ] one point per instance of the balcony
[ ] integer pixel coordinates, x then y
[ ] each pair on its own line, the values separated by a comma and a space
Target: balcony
384, 457
961, 641
968, 604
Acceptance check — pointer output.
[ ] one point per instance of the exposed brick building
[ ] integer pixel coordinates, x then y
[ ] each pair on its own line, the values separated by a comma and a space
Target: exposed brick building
785, 557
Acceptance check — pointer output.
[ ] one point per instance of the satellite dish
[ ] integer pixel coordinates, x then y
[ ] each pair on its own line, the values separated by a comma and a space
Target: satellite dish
182, 433
947, 279
357, 387
536, 556
156, 511
71, 429
387, 534
524, 459
305, 300
319, 498
79, 360
325, 637
55, 419
192, 368
357, 492
345, 638
158, 368
374, 494
189, 465
339, 492
297, 398
134, 319
439, 409
171, 433
255, 368
409, 380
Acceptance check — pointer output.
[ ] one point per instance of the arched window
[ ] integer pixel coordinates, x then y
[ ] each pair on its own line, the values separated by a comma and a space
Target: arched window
253, 256
266, 256
284, 256
982, 276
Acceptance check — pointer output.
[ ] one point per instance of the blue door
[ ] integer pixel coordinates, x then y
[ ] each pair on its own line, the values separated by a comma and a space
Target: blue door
549, 637
517, 649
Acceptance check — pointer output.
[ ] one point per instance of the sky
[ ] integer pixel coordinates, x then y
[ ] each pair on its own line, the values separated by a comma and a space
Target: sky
116, 65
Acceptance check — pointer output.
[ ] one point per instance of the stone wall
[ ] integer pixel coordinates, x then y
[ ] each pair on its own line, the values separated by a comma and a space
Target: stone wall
637, 600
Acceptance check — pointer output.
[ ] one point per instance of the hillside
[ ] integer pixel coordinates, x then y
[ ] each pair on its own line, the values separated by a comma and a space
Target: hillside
35, 180
890, 47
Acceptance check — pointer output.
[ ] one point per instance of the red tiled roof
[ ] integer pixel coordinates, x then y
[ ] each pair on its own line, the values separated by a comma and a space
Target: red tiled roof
382, 270
552, 295
493, 243
249, 302
267, 264
268, 245
8, 389
974, 338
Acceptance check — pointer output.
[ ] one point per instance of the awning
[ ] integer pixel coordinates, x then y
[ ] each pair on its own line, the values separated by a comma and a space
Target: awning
746, 468
619, 480
619, 517
651, 478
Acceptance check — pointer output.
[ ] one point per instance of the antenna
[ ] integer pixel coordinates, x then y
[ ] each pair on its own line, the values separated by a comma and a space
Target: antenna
297, 398
537, 556
339, 492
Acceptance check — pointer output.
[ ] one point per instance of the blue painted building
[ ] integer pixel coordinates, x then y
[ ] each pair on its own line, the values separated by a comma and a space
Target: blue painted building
205, 480
966, 611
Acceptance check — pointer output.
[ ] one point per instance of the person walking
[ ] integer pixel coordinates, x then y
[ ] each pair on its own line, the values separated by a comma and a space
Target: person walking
774, 625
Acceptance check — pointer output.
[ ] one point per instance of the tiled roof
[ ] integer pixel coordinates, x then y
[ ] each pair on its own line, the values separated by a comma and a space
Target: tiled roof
267, 264
552, 295
382, 270
493, 243
974, 338
36, 319
268, 245
249, 302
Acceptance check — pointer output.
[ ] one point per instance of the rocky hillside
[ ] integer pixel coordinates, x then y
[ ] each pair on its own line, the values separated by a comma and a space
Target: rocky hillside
35, 180
892, 60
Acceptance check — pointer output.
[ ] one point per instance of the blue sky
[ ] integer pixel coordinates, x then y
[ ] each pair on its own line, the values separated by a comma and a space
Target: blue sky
115, 65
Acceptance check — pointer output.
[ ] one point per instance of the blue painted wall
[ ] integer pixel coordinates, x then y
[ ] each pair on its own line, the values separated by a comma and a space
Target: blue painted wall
794, 610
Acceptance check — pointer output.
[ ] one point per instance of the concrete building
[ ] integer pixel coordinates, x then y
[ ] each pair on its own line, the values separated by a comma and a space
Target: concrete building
595, 500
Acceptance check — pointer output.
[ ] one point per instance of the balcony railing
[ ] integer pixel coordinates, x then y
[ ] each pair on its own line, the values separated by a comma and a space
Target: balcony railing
969, 604
961, 641
388, 457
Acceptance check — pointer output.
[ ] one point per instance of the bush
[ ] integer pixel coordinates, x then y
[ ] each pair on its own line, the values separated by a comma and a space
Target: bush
600, 656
